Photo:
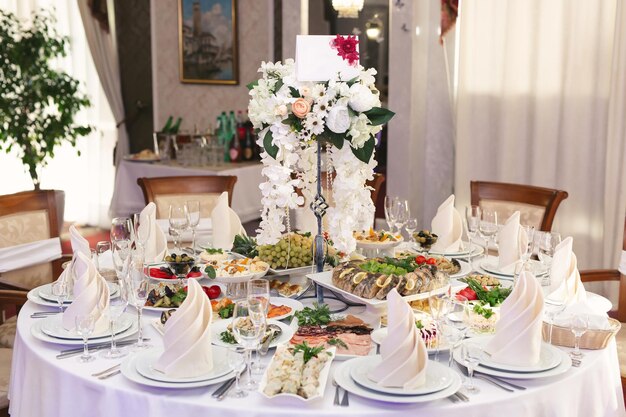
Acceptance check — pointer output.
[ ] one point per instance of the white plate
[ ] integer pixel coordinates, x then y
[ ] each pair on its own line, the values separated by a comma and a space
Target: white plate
380, 334
491, 266
320, 388
45, 293
220, 326
33, 295
203, 283
129, 371
599, 302
345, 381
438, 377
476, 250
566, 363
293, 271
146, 359
301, 280
35, 331
549, 358
289, 302
361, 244
465, 269
53, 326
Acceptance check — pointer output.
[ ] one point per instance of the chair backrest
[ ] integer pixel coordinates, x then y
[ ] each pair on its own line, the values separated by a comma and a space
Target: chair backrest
537, 205
204, 188
11, 302
28, 217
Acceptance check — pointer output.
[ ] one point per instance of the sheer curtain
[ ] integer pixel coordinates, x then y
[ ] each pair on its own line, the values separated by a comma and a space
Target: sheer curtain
540, 100
86, 179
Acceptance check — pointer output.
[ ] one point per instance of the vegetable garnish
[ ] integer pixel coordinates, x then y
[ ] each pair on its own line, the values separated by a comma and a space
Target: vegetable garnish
307, 351
227, 337
318, 315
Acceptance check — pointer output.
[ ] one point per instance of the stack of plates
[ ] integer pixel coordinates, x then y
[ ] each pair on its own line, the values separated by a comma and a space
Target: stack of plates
42, 295
553, 361
51, 330
462, 252
139, 368
441, 382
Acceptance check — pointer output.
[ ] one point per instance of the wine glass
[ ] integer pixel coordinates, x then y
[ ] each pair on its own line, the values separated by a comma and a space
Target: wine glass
472, 223
85, 325
439, 305
237, 362
547, 242
120, 255
193, 207
578, 325
101, 248
488, 227
61, 290
117, 306
121, 231
390, 213
402, 214
411, 227
457, 318
142, 230
552, 309
452, 336
179, 221
259, 289
528, 249
472, 354
247, 333
138, 287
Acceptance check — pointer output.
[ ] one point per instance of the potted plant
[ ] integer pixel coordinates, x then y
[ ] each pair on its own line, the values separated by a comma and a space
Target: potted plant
38, 102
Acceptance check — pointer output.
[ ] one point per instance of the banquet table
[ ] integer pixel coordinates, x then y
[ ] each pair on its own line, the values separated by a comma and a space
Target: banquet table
128, 198
42, 385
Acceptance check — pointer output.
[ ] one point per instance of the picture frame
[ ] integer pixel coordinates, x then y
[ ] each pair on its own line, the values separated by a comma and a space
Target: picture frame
208, 52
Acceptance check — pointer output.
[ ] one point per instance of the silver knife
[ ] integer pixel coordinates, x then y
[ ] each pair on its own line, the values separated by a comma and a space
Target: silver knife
224, 392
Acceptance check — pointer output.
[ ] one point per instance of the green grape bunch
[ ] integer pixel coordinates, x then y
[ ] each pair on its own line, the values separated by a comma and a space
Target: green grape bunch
292, 251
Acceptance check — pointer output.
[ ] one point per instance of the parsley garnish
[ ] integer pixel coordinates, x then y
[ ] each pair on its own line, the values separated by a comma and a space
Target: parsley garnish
227, 337
308, 352
210, 271
485, 312
337, 342
226, 312
213, 251
318, 315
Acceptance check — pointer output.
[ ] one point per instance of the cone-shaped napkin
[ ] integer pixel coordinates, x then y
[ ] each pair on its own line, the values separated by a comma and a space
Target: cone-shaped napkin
156, 246
517, 340
511, 241
79, 245
404, 354
91, 295
187, 337
226, 223
448, 226
565, 284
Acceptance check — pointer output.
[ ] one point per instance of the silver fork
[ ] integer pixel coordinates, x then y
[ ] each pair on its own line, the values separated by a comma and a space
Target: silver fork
106, 371
337, 388
345, 401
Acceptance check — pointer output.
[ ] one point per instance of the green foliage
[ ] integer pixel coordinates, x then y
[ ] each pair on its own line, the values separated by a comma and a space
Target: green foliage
379, 115
270, 148
366, 151
38, 103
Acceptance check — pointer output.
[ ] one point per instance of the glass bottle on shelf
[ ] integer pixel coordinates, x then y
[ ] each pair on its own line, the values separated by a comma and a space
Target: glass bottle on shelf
249, 141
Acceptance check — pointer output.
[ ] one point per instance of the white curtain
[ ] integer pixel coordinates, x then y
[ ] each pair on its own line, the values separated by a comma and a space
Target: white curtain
540, 100
86, 179
103, 48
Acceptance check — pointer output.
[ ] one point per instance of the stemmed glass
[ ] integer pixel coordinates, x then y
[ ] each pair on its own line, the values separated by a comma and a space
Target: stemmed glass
61, 290
390, 212
121, 231
85, 324
457, 318
411, 227
138, 292
237, 362
552, 309
472, 222
117, 306
142, 231
528, 249
578, 325
259, 289
248, 327
440, 306
402, 214
193, 207
548, 241
179, 221
101, 248
471, 354
488, 227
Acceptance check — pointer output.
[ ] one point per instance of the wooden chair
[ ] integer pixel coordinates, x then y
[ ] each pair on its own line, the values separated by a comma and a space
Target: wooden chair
613, 275
28, 217
10, 303
204, 188
537, 205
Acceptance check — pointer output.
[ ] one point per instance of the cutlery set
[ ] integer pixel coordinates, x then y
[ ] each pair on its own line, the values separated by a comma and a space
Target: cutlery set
343, 401
94, 347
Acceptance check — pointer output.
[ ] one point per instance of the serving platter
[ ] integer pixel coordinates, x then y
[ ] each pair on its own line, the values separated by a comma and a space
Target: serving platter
219, 326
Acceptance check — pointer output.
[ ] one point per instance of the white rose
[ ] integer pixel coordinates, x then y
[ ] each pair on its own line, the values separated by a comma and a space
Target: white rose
338, 119
361, 98
281, 110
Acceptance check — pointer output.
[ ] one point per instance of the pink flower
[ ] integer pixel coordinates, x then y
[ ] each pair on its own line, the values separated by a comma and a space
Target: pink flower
346, 48
300, 108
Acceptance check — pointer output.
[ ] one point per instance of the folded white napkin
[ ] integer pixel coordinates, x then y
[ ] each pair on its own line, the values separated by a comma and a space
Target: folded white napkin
448, 226
91, 294
226, 223
404, 354
187, 337
28, 254
317, 61
517, 340
79, 243
511, 241
156, 246
597, 320
203, 229
565, 284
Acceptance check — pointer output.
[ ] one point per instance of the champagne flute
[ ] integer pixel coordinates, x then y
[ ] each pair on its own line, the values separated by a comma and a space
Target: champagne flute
457, 318
439, 305
121, 231
552, 309
247, 333
61, 290
142, 230
472, 222
488, 227
138, 293
101, 248
120, 254
411, 227
548, 241
529, 247
117, 306
85, 325
179, 221
259, 289
390, 212
237, 362
471, 354
193, 206
402, 214
578, 325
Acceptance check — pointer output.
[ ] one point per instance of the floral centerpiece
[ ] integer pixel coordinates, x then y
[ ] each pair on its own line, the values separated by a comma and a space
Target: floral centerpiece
290, 116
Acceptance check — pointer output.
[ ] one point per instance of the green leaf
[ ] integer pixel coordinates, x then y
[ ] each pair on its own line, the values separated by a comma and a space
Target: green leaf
351, 112
278, 85
352, 81
294, 92
210, 271
253, 84
270, 148
379, 115
336, 139
365, 153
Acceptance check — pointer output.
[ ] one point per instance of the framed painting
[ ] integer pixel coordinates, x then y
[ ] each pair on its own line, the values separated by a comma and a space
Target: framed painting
207, 41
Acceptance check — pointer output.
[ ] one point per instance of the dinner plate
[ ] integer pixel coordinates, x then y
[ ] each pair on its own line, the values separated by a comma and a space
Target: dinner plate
45, 293
438, 377
146, 360
379, 335
284, 301
220, 326
465, 269
53, 326
129, 371
301, 280
362, 244
491, 266
345, 381
562, 367
35, 331
549, 358
476, 250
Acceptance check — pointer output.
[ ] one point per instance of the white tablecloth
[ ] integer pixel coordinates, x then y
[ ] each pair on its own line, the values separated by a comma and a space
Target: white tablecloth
128, 198
42, 385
